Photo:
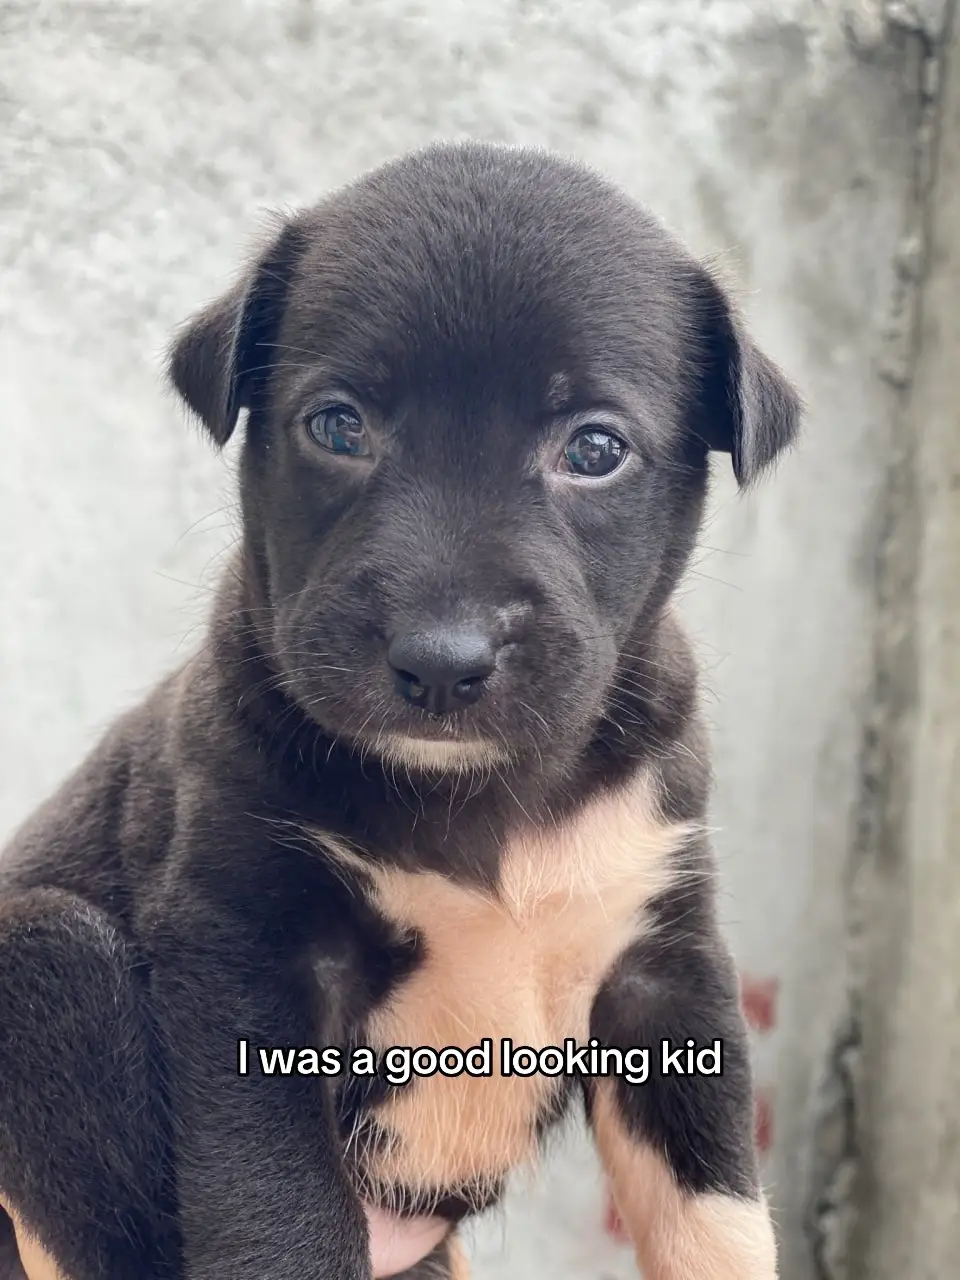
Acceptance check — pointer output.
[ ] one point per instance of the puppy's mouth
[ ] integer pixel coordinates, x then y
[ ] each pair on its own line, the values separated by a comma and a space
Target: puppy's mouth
443, 702
432, 744
438, 754
407, 739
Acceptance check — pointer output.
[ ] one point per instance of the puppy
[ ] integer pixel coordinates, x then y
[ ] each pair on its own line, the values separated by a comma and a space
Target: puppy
436, 776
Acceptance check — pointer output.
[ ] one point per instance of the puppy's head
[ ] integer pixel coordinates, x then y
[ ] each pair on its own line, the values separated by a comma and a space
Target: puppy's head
482, 386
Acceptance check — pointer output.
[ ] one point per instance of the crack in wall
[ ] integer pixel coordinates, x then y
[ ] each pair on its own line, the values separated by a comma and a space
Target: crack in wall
835, 1224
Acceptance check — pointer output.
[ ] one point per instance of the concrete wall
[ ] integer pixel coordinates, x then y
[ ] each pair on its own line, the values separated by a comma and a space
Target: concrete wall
901, 1213
140, 146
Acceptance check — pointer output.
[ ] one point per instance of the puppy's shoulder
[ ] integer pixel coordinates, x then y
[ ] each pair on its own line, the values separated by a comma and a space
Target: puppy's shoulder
117, 802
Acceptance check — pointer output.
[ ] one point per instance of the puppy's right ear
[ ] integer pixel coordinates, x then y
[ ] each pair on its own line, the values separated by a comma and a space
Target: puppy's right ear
215, 359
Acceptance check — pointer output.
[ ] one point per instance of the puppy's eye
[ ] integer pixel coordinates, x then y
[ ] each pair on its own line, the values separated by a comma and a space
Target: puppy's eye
339, 429
593, 452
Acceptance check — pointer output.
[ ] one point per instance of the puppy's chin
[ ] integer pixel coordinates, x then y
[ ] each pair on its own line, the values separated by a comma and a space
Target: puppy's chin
432, 755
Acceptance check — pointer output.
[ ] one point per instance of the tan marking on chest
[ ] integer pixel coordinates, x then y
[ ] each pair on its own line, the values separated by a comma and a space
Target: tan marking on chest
678, 1235
525, 965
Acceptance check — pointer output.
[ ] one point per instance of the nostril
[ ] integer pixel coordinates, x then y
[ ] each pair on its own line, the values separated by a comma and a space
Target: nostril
465, 686
409, 687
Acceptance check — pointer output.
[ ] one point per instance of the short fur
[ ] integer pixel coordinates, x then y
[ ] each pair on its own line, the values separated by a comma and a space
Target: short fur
277, 847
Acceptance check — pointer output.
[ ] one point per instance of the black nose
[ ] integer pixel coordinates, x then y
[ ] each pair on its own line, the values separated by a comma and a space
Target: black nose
442, 669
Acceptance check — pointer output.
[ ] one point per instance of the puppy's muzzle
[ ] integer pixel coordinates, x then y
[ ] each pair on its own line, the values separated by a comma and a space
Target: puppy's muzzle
442, 669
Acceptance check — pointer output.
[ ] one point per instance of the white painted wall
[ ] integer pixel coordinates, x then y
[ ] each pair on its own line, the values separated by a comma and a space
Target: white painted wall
140, 146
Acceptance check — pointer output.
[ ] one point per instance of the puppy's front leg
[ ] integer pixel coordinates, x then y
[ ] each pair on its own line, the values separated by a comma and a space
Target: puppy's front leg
261, 1187
679, 1148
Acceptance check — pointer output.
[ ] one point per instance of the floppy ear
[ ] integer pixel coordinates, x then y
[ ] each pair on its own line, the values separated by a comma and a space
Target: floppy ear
216, 358
747, 407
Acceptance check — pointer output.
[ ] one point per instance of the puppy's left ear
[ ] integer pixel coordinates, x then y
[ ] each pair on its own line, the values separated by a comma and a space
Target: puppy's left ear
221, 355
746, 406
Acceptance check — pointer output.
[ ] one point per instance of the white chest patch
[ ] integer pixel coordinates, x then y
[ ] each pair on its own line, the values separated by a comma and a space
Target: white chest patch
525, 964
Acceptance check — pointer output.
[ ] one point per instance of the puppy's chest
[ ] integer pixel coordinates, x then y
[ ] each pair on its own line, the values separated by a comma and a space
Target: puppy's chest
522, 963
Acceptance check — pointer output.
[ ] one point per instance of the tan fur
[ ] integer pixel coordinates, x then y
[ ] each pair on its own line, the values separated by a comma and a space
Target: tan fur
676, 1235
525, 963
458, 1266
37, 1263
441, 756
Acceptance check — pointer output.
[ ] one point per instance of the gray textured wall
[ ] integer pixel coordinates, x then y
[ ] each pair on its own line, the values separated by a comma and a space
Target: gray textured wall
141, 145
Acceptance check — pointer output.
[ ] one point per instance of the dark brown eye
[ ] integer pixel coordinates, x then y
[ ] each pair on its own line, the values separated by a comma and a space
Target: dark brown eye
594, 452
339, 429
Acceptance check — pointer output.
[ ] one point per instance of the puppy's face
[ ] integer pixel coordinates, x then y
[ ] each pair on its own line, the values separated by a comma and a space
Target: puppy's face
482, 387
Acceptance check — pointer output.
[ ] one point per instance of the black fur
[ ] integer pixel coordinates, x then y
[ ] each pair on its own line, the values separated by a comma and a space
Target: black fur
166, 902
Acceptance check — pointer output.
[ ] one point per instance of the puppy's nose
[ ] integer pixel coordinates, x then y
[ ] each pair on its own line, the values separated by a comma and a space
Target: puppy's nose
442, 669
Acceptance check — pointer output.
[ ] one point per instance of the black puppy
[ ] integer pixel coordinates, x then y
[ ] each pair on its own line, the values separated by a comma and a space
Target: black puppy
436, 776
